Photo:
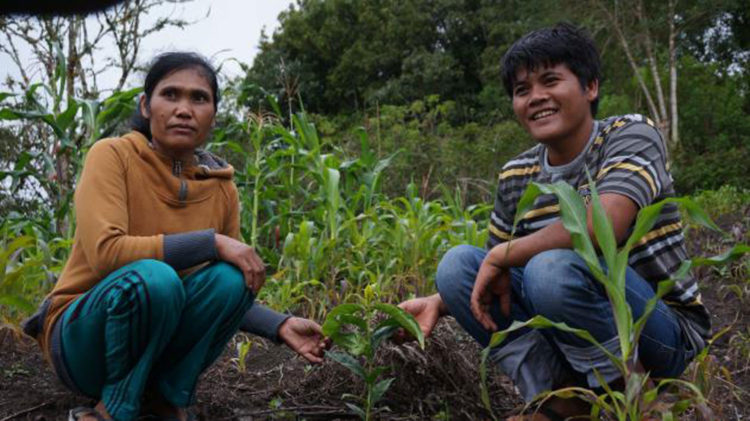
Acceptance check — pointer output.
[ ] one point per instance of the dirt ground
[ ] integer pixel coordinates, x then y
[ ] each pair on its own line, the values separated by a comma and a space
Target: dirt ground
441, 383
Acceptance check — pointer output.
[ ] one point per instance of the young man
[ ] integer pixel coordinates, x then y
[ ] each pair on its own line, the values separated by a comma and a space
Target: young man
552, 76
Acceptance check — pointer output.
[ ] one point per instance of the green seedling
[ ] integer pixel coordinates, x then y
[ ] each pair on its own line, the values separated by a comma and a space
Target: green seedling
243, 348
358, 330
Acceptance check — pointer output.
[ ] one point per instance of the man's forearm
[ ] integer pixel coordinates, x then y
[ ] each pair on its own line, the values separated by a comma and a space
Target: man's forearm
519, 251
620, 210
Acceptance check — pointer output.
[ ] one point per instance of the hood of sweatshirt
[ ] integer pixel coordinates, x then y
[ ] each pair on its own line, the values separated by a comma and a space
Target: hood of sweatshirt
178, 182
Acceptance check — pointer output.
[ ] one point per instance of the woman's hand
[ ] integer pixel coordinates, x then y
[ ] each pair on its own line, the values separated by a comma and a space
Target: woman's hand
304, 337
244, 257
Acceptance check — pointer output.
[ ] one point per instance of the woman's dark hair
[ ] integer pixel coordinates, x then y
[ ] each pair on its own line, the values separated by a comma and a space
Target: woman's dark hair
163, 66
562, 43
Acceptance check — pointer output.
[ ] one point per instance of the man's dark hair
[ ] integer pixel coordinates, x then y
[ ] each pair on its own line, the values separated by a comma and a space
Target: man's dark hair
163, 66
562, 43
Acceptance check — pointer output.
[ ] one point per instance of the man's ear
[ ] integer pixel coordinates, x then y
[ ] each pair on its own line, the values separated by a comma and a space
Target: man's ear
145, 110
592, 90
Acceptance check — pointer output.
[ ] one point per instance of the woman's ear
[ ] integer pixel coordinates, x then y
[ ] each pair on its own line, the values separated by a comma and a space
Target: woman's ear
145, 110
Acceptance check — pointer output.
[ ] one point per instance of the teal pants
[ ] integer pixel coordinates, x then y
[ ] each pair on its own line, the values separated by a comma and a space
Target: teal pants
142, 327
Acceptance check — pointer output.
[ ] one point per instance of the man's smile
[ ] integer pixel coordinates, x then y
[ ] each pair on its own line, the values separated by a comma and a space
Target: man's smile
543, 113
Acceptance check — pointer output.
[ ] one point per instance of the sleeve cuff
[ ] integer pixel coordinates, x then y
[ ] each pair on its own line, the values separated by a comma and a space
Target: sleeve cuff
187, 249
261, 320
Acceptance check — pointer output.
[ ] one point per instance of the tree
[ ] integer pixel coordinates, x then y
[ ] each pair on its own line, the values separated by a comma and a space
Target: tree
651, 36
351, 54
55, 110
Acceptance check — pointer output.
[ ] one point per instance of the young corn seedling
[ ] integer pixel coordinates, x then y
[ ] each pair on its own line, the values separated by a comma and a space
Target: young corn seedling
638, 399
243, 348
354, 328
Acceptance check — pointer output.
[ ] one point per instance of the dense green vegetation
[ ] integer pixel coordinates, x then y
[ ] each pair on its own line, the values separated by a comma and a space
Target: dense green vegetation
425, 75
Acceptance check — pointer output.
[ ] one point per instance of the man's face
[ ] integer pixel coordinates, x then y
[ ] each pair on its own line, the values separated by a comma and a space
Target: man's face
550, 103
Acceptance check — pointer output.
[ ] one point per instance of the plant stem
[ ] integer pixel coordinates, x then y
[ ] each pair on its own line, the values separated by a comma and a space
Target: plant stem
256, 188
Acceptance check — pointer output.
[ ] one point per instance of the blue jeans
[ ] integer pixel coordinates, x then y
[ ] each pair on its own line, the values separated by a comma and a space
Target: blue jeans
144, 327
558, 285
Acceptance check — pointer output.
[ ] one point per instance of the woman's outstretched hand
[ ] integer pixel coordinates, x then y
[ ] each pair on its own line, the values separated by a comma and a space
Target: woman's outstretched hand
244, 257
304, 337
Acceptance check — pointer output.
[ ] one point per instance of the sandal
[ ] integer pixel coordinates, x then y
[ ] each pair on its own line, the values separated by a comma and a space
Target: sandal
75, 414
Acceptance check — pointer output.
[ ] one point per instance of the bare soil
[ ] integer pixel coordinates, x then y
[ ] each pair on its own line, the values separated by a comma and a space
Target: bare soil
441, 383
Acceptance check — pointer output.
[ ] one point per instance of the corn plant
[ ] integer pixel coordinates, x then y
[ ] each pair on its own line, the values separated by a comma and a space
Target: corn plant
243, 348
30, 260
638, 399
66, 129
417, 233
355, 328
463, 219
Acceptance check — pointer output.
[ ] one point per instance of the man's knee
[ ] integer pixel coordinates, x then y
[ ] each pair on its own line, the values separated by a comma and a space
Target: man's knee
454, 269
552, 278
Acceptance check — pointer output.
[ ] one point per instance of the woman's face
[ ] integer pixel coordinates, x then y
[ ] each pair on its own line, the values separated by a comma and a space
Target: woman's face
181, 113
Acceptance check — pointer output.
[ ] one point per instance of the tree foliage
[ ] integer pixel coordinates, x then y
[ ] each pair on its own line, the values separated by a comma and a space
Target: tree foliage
61, 105
350, 60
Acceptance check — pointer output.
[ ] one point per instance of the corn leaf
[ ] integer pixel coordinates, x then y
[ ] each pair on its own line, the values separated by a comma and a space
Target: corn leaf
573, 214
605, 235
662, 289
526, 202
737, 251
695, 213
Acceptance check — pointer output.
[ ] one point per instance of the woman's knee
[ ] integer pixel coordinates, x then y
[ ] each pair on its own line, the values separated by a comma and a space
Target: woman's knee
150, 282
227, 284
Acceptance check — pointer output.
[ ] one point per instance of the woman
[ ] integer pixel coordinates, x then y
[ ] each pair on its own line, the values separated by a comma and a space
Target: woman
158, 280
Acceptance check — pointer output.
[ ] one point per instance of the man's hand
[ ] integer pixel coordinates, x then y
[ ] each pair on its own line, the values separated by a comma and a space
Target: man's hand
491, 281
426, 310
244, 257
305, 337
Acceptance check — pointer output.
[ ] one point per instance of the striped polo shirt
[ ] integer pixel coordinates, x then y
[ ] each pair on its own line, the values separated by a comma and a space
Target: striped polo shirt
625, 155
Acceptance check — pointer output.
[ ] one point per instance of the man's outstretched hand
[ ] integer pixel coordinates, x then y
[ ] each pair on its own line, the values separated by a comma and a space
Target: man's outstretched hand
305, 337
426, 310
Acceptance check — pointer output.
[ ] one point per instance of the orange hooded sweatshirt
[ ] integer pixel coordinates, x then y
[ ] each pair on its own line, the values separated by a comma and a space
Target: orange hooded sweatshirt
128, 199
